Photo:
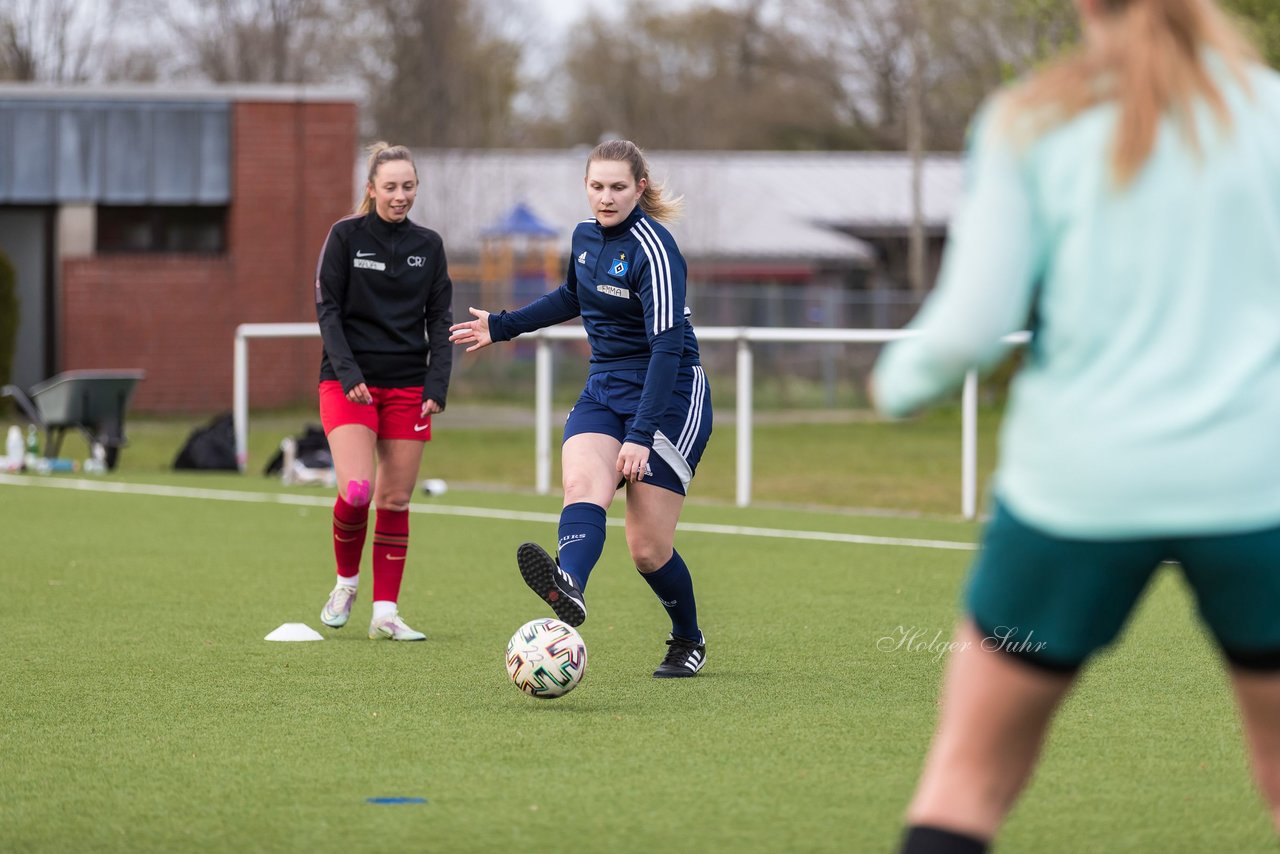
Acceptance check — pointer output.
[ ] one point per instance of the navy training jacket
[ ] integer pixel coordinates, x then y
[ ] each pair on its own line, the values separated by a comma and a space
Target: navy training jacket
627, 282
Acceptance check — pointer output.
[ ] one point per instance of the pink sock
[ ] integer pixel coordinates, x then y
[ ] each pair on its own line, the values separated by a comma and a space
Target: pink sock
349, 527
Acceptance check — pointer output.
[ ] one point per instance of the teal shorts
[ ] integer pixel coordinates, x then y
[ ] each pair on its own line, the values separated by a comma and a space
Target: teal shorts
1054, 601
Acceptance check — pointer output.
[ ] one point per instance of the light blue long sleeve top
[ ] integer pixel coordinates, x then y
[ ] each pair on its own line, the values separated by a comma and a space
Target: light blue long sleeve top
1149, 401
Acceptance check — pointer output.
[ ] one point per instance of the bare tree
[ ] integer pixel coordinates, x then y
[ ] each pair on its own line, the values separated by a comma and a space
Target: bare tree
54, 41
441, 73
967, 48
917, 26
710, 76
259, 41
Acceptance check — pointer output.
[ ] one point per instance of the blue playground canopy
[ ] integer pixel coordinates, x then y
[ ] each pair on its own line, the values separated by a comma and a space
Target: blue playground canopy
520, 221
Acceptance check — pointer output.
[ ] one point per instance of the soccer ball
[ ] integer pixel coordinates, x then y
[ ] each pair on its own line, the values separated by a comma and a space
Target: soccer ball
546, 658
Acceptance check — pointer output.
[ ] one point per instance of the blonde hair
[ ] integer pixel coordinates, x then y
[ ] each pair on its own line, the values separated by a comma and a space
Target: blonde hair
379, 153
1150, 60
654, 201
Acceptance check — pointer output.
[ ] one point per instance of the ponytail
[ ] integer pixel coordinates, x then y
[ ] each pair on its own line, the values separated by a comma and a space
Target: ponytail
1150, 59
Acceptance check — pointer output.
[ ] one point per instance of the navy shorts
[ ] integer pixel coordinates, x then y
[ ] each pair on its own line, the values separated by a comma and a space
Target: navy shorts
608, 405
1054, 601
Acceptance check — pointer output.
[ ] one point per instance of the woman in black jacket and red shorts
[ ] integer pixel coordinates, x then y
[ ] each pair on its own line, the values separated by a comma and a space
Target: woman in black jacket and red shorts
381, 282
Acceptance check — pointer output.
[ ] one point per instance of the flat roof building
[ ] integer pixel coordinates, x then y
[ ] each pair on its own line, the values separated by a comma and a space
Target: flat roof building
145, 223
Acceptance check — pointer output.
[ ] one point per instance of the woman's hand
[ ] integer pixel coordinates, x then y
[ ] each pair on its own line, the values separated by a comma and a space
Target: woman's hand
430, 407
473, 332
633, 459
360, 394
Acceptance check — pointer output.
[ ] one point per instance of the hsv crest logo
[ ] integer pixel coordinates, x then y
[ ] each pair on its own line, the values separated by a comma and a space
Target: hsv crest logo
618, 268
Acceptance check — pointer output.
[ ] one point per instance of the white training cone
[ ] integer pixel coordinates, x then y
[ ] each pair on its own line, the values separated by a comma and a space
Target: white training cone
294, 632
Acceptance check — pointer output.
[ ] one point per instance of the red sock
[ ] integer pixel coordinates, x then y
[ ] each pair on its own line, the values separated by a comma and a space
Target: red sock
390, 546
349, 527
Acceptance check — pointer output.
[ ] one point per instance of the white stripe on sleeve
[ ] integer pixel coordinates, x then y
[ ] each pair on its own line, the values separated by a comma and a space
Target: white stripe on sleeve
659, 275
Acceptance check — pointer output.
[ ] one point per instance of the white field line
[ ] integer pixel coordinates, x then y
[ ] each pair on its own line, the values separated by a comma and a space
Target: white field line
84, 485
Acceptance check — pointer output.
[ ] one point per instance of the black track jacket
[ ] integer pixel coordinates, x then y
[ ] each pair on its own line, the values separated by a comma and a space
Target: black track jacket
378, 285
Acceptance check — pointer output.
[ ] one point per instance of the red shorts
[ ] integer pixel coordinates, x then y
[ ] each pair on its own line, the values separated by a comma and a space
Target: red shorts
396, 413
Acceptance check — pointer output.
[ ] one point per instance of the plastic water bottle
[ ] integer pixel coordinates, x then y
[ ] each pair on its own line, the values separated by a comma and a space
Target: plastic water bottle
97, 462
33, 447
288, 461
13, 449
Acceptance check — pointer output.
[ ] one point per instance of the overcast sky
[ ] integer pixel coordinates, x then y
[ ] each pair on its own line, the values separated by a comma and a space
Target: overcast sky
561, 13
558, 17
539, 25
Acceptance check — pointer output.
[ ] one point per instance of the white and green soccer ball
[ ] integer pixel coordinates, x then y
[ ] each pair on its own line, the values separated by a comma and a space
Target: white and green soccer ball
546, 658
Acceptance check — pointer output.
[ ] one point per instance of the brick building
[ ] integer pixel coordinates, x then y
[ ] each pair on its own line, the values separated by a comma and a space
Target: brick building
146, 224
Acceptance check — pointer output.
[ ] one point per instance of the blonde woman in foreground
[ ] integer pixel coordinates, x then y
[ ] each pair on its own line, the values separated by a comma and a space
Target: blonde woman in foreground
1126, 203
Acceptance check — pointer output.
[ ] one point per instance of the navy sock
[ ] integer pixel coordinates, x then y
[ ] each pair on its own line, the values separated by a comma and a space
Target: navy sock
674, 587
934, 840
581, 540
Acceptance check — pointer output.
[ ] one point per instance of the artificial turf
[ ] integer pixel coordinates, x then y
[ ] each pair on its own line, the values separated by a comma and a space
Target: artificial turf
143, 711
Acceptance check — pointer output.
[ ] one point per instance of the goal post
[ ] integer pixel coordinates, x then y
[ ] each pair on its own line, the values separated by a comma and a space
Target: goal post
240, 374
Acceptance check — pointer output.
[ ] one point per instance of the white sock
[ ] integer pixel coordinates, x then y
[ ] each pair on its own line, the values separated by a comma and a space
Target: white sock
352, 581
383, 609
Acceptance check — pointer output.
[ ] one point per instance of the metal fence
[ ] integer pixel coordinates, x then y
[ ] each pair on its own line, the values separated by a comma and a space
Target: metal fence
792, 375
747, 340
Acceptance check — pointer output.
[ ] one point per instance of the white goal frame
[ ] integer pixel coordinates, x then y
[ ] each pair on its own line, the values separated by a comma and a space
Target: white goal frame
745, 336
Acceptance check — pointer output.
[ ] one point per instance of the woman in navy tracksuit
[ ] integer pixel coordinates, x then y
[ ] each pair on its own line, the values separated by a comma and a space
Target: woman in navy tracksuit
645, 415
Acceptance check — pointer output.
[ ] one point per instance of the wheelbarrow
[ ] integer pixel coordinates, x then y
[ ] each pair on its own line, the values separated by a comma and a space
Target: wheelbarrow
93, 402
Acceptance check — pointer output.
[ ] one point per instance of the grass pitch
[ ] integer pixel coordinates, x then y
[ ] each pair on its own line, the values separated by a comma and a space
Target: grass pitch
143, 711
833, 458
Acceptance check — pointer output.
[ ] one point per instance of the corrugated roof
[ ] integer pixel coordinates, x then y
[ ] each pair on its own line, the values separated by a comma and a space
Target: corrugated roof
738, 205
114, 152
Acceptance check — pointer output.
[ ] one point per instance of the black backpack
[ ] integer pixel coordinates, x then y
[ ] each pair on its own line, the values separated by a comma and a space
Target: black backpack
313, 451
211, 447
